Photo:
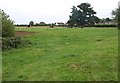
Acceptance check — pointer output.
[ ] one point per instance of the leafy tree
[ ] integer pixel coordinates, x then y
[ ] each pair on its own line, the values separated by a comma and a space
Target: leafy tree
108, 20
0, 25
73, 17
116, 16
8, 29
82, 15
114, 13
31, 23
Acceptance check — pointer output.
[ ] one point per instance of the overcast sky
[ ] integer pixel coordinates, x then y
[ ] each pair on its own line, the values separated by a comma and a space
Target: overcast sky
23, 11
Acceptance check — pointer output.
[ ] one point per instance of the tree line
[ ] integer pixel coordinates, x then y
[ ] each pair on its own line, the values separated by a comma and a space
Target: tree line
82, 15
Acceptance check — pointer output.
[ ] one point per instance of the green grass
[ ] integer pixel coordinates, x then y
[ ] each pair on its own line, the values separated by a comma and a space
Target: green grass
62, 54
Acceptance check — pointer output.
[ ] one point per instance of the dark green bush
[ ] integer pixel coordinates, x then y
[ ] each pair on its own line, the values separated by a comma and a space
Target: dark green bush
8, 29
13, 42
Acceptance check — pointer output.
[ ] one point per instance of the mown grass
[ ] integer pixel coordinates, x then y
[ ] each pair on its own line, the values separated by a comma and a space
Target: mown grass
64, 54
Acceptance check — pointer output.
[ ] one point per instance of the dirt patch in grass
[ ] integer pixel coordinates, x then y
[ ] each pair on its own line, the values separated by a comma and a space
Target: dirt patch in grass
24, 33
78, 66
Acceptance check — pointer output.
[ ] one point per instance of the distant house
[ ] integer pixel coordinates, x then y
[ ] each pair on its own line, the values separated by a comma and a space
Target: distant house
106, 21
59, 24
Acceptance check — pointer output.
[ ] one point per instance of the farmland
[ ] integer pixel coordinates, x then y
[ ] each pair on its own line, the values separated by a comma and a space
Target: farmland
62, 54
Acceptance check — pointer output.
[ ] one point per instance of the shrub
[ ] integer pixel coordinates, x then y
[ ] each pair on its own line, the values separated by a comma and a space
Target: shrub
8, 29
13, 42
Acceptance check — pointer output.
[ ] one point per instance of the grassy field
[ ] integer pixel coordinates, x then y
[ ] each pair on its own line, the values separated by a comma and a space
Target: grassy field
62, 54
